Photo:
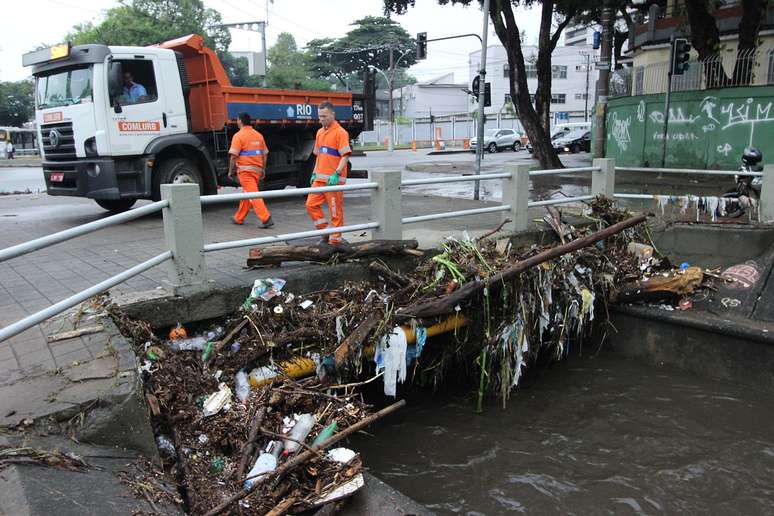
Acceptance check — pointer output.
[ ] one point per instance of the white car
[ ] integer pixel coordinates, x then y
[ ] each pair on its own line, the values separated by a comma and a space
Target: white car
498, 139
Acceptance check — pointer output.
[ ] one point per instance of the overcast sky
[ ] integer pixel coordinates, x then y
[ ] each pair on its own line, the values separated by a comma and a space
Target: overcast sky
48, 21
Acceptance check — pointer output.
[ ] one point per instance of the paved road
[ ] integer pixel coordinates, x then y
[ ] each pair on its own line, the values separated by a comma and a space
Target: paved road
21, 179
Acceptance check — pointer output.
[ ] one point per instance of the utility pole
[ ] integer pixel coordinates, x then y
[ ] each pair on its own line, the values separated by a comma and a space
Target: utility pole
603, 83
586, 109
392, 110
263, 43
481, 96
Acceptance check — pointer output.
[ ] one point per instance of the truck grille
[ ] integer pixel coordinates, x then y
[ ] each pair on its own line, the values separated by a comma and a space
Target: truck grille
58, 141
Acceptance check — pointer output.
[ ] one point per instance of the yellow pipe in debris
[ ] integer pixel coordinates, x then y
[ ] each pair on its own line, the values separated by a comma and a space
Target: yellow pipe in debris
299, 367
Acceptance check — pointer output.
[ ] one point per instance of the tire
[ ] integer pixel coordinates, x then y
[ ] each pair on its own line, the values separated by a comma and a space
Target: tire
516, 146
115, 205
492, 148
575, 149
176, 171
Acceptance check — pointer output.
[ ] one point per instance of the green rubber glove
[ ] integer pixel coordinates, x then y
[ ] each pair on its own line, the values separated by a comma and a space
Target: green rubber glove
311, 181
334, 179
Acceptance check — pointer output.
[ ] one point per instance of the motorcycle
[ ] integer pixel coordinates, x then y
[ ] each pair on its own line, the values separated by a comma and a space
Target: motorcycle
739, 199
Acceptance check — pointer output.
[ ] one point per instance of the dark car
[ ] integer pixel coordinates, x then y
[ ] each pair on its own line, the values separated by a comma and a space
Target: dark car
574, 142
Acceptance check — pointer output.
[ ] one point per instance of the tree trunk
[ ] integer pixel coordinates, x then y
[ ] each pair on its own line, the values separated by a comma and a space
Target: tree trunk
705, 38
501, 13
752, 15
543, 65
277, 254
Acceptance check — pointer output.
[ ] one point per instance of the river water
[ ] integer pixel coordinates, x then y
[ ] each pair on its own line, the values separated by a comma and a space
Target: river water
602, 435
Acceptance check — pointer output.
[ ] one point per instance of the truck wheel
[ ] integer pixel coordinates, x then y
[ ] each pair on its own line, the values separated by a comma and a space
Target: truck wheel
176, 171
115, 205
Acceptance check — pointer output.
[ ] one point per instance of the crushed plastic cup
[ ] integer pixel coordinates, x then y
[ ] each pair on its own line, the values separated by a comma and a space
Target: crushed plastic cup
217, 400
299, 433
165, 446
341, 455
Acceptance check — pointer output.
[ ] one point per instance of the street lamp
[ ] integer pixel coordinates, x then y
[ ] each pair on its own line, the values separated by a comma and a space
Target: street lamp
393, 65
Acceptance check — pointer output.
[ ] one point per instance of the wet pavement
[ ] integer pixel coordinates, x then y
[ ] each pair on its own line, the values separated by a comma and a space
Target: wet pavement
601, 435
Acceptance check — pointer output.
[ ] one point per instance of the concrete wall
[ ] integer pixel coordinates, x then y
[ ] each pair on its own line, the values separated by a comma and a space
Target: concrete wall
707, 129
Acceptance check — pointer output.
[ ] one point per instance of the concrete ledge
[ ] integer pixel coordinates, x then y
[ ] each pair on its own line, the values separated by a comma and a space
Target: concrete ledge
733, 351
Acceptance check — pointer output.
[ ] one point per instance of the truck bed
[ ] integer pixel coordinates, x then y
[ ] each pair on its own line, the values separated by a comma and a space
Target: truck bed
214, 102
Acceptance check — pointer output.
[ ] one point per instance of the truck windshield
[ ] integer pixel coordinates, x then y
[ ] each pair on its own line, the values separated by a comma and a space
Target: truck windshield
64, 88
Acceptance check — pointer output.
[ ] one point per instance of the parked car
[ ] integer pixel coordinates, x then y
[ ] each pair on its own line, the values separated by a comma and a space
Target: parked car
498, 139
557, 134
574, 141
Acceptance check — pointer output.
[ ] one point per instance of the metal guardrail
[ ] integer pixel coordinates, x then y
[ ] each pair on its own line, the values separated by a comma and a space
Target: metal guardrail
183, 225
689, 171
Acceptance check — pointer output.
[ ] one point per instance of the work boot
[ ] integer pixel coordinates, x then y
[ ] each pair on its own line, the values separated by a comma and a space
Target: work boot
235, 221
339, 241
324, 239
266, 225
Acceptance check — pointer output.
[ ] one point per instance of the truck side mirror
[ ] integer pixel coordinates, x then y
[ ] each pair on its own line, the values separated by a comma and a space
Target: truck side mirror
117, 106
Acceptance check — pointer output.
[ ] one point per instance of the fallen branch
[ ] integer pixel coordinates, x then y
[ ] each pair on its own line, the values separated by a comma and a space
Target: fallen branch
87, 330
307, 455
447, 304
282, 507
248, 449
276, 254
495, 230
228, 338
355, 338
388, 275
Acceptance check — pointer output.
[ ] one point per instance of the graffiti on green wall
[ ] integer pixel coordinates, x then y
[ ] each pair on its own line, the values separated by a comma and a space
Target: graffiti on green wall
707, 129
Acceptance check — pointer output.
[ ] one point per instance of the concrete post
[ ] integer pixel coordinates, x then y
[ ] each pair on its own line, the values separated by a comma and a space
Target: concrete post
766, 208
386, 205
516, 193
603, 181
183, 233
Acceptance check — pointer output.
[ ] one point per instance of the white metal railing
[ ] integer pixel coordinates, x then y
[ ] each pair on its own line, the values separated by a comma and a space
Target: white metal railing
181, 207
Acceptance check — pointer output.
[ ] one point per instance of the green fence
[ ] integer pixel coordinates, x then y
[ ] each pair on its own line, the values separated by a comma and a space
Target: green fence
707, 129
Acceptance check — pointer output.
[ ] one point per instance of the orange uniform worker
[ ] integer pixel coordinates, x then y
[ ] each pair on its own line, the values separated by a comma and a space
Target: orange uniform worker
332, 150
248, 154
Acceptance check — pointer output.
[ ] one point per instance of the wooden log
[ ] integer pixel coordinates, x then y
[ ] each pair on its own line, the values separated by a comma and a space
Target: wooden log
276, 254
388, 275
355, 339
447, 304
301, 458
248, 450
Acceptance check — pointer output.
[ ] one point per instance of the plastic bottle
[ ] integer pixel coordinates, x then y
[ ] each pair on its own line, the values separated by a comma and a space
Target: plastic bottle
260, 375
192, 344
242, 385
299, 432
265, 463
325, 433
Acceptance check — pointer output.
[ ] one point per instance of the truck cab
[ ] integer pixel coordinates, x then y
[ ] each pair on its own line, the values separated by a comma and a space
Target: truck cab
114, 123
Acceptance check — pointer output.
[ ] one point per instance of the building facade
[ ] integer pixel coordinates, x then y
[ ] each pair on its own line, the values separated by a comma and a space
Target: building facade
572, 86
438, 97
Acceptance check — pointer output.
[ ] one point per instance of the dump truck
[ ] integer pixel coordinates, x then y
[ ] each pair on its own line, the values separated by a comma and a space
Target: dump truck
115, 123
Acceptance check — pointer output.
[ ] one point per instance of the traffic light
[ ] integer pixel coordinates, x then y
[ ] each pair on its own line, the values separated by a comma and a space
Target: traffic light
422, 45
681, 53
476, 85
487, 94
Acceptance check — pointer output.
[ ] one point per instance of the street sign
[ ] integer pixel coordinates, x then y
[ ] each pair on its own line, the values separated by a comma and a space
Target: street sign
561, 116
476, 85
596, 40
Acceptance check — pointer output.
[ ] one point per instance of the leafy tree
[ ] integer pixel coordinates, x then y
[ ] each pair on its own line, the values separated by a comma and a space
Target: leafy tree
147, 22
346, 59
16, 103
289, 68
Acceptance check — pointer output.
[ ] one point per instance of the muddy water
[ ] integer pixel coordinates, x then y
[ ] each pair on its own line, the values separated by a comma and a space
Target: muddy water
592, 436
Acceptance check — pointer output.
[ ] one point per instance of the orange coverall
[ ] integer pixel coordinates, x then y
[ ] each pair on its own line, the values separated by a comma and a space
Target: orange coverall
330, 146
249, 148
